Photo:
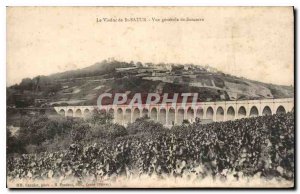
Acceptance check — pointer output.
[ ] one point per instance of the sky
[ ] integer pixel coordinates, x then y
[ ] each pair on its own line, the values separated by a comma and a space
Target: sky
251, 42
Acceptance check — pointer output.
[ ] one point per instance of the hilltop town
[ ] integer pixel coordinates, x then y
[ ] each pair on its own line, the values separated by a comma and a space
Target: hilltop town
83, 86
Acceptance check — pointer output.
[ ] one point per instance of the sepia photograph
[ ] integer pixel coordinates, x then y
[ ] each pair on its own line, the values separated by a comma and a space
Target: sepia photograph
150, 97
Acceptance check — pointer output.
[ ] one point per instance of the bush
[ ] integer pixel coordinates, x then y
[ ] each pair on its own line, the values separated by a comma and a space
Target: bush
107, 131
146, 126
79, 132
38, 132
13, 145
100, 118
117, 130
32, 148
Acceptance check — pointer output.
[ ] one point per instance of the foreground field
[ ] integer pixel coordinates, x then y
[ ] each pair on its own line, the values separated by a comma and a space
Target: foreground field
243, 153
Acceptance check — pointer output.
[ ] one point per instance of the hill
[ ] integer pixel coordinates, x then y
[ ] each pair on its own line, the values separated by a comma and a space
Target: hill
83, 86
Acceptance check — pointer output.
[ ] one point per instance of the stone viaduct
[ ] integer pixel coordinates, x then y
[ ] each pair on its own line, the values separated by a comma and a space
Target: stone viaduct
171, 115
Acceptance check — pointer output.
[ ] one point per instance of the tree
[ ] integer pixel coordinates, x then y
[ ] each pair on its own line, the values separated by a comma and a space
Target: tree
197, 121
79, 132
101, 118
145, 126
185, 122
117, 130
13, 144
139, 64
26, 84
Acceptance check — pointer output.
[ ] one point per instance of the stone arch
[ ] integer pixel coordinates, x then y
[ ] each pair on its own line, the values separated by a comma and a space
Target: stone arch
210, 113
62, 112
145, 112
136, 114
242, 112
267, 111
153, 114
220, 114
103, 111
111, 111
86, 112
280, 110
190, 115
162, 116
254, 111
127, 116
78, 113
180, 116
171, 116
119, 116
199, 113
230, 113
95, 111
70, 113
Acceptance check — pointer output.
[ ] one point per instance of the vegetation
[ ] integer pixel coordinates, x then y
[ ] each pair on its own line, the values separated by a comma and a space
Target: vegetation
41, 133
83, 86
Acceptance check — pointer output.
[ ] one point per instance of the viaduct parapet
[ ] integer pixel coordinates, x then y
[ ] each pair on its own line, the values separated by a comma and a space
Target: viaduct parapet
171, 115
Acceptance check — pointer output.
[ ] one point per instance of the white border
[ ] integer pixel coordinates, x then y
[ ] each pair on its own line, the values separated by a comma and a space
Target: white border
4, 3
148, 3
